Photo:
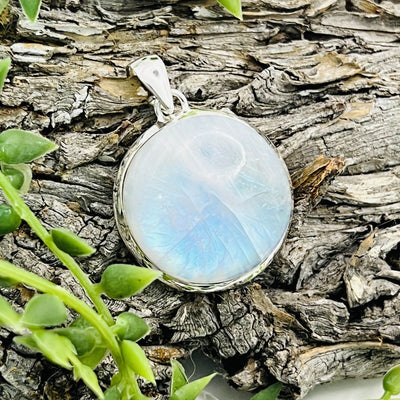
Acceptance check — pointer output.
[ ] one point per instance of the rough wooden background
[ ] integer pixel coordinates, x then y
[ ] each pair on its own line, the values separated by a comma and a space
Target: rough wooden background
321, 79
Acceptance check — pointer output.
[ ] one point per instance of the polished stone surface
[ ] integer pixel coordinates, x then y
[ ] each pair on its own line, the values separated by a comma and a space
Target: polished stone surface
207, 199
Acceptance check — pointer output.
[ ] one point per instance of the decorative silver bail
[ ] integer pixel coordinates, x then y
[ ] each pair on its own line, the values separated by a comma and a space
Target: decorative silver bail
152, 73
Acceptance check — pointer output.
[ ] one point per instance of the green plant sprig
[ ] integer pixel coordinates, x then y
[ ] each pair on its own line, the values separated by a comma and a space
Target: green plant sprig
83, 344
118, 281
26, 214
391, 383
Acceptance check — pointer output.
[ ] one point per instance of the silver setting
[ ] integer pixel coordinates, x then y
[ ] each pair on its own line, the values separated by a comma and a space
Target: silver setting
152, 73
162, 117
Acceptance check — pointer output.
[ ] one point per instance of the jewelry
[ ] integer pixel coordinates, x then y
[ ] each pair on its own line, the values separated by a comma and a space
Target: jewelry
201, 196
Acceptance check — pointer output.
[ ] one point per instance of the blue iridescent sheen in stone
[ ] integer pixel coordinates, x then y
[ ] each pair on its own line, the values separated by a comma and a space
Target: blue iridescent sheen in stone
207, 199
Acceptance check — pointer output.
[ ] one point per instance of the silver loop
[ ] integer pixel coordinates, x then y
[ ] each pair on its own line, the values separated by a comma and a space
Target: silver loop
164, 117
152, 73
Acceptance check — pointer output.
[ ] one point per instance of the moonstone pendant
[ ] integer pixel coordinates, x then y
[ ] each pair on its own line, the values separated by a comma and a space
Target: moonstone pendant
201, 196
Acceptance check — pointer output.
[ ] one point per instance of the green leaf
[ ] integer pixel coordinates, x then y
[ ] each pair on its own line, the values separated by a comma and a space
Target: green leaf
192, 389
89, 377
19, 147
270, 393
233, 6
94, 356
116, 379
20, 176
129, 326
3, 5
178, 378
56, 348
44, 310
71, 243
31, 8
7, 282
122, 280
81, 323
391, 381
8, 317
112, 394
27, 341
84, 340
4, 64
136, 359
9, 219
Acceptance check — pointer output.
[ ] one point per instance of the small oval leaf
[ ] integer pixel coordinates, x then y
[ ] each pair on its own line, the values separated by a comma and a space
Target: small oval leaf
192, 389
4, 64
233, 6
56, 348
270, 393
83, 339
178, 378
71, 243
112, 394
20, 176
97, 353
7, 282
14, 176
19, 147
129, 326
87, 341
391, 381
87, 375
8, 317
81, 323
94, 356
44, 310
26, 341
122, 280
3, 5
9, 219
31, 8
136, 359
116, 379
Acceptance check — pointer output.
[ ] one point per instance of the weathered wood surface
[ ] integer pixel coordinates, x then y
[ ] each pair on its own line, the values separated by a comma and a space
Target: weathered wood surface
319, 78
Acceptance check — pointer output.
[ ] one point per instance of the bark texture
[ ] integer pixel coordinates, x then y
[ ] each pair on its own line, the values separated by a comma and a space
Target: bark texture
320, 79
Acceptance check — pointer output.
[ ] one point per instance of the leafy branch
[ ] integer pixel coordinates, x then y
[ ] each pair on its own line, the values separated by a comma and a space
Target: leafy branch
82, 345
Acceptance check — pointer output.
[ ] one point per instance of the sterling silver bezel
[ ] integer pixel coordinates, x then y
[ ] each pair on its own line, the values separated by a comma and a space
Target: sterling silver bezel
130, 241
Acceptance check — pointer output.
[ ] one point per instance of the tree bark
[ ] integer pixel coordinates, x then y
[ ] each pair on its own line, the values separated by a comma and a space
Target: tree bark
320, 79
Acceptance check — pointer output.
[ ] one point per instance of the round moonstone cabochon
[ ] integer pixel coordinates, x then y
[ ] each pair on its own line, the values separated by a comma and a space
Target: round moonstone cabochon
207, 200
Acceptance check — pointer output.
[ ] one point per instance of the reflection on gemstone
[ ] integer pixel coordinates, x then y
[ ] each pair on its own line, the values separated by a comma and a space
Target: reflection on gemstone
207, 199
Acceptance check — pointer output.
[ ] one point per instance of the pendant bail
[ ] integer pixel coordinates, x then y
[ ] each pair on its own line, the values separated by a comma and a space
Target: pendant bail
152, 73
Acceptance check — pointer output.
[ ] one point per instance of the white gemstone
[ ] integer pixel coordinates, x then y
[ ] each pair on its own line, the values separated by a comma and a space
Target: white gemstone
207, 199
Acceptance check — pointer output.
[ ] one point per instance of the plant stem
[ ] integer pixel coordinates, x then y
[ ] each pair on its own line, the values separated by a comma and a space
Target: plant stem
9, 270
386, 396
132, 389
25, 213
101, 321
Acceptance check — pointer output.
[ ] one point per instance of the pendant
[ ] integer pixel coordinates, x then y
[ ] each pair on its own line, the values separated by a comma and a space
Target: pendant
201, 196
